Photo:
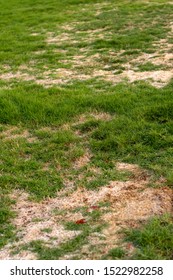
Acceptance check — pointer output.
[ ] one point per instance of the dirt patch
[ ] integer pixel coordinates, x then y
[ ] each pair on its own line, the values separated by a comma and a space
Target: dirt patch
63, 76
9, 131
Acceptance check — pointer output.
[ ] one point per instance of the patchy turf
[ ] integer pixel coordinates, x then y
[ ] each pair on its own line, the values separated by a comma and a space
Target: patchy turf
86, 129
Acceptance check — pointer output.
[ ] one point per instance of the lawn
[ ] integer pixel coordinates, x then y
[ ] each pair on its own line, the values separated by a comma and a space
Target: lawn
86, 129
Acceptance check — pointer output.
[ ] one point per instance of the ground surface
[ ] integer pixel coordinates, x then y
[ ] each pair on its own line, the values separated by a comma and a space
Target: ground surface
86, 129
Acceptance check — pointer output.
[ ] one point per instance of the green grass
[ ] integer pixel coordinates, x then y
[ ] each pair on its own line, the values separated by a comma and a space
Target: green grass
150, 67
154, 241
46, 253
140, 129
6, 229
115, 254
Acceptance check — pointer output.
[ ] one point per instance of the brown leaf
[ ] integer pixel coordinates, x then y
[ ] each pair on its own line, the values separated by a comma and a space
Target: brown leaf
94, 207
81, 221
129, 246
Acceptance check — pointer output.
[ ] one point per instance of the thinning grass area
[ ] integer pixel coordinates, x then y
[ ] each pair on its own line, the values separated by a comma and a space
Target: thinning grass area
140, 130
52, 53
72, 246
129, 25
56, 253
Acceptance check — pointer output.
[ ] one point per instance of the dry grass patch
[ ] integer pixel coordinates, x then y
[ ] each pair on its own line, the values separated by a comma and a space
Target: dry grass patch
131, 203
162, 56
46, 166
32, 221
102, 116
63, 37
84, 60
6, 254
82, 161
157, 78
14, 133
60, 76
96, 63
86, 66
18, 75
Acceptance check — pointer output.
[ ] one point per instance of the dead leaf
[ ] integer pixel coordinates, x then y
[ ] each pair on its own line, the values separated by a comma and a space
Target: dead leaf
81, 221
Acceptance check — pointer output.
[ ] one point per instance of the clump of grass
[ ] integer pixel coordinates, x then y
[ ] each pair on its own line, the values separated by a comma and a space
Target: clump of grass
47, 230
154, 241
150, 67
88, 126
115, 254
74, 226
46, 253
6, 227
